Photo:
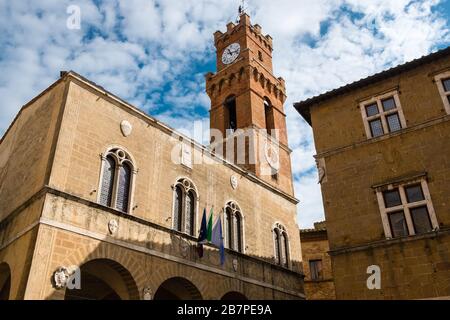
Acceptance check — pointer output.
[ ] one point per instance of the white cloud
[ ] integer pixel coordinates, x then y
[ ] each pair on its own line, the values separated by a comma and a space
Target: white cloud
150, 52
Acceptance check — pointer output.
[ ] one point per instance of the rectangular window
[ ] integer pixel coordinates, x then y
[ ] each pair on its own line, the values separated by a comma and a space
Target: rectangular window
406, 209
382, 115
389, 104
443, 84
372, 110
446, 83
315, 267
376, 128
392, 198
421, 220
414, 194
399, 227
394, 122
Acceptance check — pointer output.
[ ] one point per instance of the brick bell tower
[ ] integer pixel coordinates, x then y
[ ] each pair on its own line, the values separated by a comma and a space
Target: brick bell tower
246, 97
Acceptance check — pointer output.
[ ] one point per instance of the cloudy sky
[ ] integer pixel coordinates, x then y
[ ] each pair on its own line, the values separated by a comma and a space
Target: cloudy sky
154, 54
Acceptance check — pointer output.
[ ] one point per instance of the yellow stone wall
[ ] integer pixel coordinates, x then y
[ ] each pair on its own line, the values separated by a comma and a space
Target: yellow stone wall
419, 267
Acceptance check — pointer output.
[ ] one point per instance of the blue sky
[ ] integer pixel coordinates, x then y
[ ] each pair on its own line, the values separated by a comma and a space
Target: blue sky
154, 54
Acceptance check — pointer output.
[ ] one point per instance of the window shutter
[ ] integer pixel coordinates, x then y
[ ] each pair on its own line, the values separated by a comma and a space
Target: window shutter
177, 215
229, 229
283, 249
277, 246
107, 181
189, 214
123, 192
238, 233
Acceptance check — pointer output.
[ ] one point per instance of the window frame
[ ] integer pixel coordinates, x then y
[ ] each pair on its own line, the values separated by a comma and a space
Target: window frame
405, 206
126, 158
382, 115
235, 209
187, 186
278, 230
445, 95
321, 277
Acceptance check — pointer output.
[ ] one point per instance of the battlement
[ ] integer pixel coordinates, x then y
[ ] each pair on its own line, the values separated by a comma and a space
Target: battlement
244, 21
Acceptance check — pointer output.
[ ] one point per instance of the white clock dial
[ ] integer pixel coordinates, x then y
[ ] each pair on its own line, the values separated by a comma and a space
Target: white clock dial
272, 156
231, 53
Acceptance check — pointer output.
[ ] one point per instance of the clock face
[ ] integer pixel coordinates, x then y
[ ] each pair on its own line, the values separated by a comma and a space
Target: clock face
231, 53
272, 156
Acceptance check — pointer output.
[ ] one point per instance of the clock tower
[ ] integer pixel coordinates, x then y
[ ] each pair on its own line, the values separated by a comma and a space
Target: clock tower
247, 117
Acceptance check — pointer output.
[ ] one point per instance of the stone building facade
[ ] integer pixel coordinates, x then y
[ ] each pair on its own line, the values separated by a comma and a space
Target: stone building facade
383, 151
92, 186
319, 282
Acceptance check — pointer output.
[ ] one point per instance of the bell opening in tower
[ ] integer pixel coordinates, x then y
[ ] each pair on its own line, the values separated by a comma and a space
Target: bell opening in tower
230, 114
269, 117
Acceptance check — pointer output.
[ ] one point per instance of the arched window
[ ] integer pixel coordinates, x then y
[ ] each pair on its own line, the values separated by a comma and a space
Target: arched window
230, 113
233, 227
106, 191
281, 245
185, 206
269, 116
123, 192
117, 178
178, 209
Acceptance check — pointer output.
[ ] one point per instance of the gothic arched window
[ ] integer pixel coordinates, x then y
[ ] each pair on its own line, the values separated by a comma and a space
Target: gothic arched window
107, 183
117, 178
185, 206
233, 227
230, 113
281, 245
269, 115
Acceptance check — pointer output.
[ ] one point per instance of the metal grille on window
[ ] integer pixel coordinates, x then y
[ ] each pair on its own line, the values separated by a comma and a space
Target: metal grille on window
393, 121
177, 216
389, 104
107, 181
372, 110
123, 191
189, 214
376, 127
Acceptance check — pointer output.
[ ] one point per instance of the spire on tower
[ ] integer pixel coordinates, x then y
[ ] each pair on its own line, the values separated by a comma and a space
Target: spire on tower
242, 8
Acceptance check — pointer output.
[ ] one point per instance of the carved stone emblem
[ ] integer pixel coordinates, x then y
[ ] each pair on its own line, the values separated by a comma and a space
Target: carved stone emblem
272, 156
60, 277
147, 293
186, 155
234, 182
113, 226
235, 265
184, 248
320, 163
126, 128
